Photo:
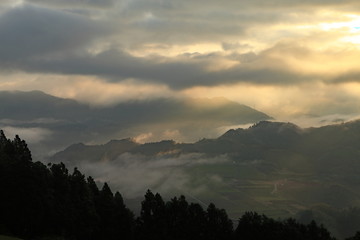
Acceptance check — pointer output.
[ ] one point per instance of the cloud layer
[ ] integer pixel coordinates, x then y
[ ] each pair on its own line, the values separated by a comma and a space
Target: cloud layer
125, 50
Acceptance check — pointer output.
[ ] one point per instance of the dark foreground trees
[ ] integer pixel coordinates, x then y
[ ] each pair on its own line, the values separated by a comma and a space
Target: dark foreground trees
38, 200
48, 202
254, 226
177, 219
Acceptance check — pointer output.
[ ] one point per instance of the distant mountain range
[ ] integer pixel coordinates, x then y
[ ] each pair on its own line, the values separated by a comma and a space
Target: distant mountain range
265, 141
66, 121
272, 167
26, 106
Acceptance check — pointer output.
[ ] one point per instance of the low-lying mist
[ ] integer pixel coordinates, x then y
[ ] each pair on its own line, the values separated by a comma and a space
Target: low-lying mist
133, 174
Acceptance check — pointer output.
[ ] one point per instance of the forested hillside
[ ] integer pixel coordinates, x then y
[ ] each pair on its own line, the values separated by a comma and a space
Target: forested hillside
274, 168
49, 202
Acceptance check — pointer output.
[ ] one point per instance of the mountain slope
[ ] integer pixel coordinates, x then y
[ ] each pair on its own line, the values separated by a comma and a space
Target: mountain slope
272, 167
68, 121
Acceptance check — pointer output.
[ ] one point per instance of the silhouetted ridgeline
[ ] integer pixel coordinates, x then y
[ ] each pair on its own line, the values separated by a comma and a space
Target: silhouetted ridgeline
48, 202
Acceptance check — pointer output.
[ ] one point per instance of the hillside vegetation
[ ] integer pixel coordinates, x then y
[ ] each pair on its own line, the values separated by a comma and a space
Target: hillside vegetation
48, 202
275, 168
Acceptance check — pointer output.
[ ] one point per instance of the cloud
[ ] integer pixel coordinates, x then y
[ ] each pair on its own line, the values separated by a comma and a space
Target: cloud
32, 135
279, 54
91, 90
41, 39
353, 76
75, 3
317, 121
99, 93
287, 63
291, 102
30, 32
178, 73
134, 174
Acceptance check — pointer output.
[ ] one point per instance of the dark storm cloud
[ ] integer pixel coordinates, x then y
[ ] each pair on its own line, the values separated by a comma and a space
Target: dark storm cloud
29, 31
39, 39
116, 66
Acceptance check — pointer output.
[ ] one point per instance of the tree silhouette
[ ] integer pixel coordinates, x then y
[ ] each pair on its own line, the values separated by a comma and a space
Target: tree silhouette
152, 220
255, 226
218, 225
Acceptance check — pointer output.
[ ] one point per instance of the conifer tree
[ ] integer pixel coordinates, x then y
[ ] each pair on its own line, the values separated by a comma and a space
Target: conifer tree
218, 225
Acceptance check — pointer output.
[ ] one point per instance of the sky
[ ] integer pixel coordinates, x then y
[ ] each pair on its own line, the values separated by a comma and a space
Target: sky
294, 60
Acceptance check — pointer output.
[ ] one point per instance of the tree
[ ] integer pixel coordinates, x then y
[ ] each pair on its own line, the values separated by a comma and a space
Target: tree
197, 222
218, 225
152, 220
177, 218
124, 218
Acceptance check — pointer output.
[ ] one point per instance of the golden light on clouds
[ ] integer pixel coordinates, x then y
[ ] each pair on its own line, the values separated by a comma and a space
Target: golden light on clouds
283, 59
97, 92
287, 102
175, 50
87, 89
352, 88
330, 61
101, 93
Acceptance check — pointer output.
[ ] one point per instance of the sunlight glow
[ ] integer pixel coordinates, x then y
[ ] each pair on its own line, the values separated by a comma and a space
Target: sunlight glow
352, 27
175, 50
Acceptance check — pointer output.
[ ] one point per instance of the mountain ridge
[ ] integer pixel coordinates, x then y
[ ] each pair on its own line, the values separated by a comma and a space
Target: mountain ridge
153, 119
273, 128
276, 168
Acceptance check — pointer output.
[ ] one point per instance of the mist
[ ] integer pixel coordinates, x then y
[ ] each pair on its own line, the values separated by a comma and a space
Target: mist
133, 174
